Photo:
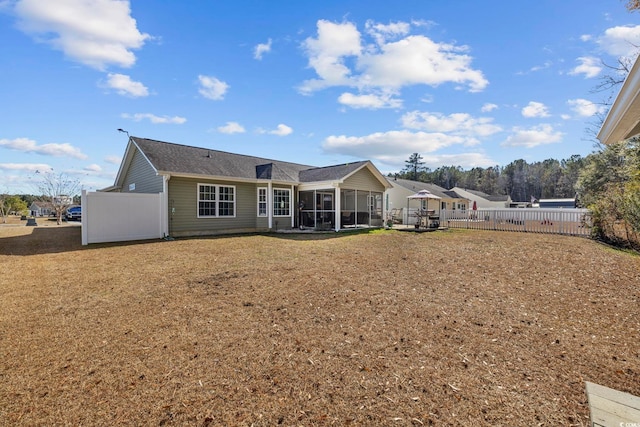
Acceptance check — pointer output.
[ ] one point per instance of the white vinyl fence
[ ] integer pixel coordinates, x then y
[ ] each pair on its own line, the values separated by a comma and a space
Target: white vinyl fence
574, 222
116, 217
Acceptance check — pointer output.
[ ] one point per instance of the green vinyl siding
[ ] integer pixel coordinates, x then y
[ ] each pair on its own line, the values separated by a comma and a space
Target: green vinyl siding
142, 175
183, 208
363, 180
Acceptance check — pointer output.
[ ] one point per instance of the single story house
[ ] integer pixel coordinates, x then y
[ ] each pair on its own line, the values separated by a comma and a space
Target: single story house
214, 192
484, 200
623, 120
40, 208
557, 203
396, 197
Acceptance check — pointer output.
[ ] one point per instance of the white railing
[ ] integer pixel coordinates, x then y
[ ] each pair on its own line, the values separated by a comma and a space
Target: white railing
574, 222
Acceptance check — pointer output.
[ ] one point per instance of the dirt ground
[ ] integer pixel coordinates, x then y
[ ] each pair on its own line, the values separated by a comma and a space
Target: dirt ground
391, 328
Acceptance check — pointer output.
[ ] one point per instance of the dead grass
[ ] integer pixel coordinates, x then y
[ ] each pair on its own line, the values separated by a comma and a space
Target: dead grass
382, 328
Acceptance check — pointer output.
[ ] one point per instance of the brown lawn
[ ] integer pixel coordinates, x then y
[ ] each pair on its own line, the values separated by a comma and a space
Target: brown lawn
382, 328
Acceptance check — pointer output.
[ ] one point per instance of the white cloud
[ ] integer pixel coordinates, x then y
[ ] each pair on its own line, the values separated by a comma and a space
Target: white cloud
30, 146
154, 119
419, 60
589, 66
382, 32
620, 41
261, 49
114, 160
125, 86
97, 33
386, 145
26, 167
327, 52
212, 88
388, 66
585, 108
533, 137
488, 107
370, 101
464, 160
231, 127
93, 168
282, 130
457, 124
544, 66
535, 109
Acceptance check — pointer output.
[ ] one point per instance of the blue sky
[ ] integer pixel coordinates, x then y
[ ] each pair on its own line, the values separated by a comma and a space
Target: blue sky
466, 83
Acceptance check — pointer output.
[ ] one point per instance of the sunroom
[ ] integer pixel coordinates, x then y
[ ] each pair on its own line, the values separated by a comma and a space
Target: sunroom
335, 208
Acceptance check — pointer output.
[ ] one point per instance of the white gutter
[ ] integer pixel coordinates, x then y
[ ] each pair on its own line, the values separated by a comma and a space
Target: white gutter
623, 117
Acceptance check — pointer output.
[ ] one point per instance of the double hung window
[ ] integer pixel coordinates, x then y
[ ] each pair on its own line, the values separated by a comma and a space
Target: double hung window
262, 201
216, 201
281, 202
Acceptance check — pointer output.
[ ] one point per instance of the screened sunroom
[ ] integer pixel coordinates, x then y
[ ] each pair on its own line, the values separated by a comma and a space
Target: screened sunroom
334, 209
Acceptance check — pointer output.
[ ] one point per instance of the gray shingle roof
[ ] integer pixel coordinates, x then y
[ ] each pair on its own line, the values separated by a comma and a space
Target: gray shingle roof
183, 159
432, 188
329, 173
491, 198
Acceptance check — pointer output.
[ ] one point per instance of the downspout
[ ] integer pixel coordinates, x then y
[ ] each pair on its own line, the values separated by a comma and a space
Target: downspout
165, 207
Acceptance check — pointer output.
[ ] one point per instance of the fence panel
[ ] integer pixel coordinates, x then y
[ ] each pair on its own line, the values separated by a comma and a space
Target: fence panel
117, 217
574, 222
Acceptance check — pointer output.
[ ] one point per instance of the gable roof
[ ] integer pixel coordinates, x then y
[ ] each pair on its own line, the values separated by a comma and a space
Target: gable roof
416, 186
167, 157
176, 159
331, 173
489, 197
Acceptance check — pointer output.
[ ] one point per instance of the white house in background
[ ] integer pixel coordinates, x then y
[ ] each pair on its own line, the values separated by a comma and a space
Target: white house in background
623, 120
396, 197
483, 200
40, 208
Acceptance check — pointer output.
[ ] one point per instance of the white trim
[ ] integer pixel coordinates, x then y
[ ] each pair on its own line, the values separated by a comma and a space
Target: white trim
128, 158
270, 204
274, 206
217, 200
292, 206
337, 210
83, 218
266, 202
371, 167
165, 205
319, 185
624, 114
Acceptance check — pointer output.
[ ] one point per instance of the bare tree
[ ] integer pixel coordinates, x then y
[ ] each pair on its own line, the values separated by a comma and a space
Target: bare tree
60, 189
633, 5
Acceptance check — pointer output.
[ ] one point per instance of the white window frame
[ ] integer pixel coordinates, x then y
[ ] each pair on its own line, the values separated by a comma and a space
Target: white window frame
263, 200
216, 200
276, 201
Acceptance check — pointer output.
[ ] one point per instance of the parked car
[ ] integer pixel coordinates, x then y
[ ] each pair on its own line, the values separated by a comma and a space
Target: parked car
74, 213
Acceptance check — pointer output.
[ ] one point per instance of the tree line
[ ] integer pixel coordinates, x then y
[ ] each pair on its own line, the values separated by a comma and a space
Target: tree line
521, 180
607, 182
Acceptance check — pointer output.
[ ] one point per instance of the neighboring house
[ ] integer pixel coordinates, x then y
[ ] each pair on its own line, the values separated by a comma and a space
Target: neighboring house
557, 203
41, 208
396, 197
484, 200
213, 192
623, 120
